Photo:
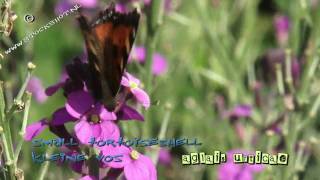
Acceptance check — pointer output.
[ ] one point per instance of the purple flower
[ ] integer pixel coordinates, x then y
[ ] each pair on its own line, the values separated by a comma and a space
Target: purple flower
59, 117
54, 88
64, 5
136, 166
121, 8
267, 66
132, 84
165, 157
147, 2
85, 3
241, 111
159, 63
295, 70
35, 128
231, 171
128, 113
77, 166
74, 78
87, 177
94, 119
168, 5
35, 87
282, 25
138, 53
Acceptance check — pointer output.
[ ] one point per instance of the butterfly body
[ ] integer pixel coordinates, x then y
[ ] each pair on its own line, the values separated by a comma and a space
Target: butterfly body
109, 39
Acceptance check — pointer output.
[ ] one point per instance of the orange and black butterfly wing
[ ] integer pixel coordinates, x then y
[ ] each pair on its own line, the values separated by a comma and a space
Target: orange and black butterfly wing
95, 52
109, 40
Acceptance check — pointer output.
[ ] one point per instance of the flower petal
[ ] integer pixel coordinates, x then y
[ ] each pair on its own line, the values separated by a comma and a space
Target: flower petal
61, 116
83, 131
34, 129
165, 156
54, 88
85, 3
88, 177
159, 64
141, 96
35, 87
140, 169
228, 171
121, 8
62, 6
125, 81
79, 103
115, 151
109, 130
96, 131
132, 78
106, 115
128, 113
255, 167
138, 53
242, 110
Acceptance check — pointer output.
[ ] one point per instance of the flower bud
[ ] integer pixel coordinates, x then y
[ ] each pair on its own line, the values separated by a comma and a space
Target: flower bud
31, 66
270, 133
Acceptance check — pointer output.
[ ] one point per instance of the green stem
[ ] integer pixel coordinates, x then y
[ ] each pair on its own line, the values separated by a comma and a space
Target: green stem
17, 101
315, 107
24, 85
120, 177
23, 127
93, 164
6, 137
162, 135
288, 66
44, 168
313, 67
5, 17
279, 79
154, 20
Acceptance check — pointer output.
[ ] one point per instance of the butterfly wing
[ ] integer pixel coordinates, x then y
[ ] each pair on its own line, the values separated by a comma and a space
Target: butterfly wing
109, 40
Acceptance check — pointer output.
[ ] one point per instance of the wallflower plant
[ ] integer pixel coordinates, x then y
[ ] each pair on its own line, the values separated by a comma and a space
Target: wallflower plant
92, 119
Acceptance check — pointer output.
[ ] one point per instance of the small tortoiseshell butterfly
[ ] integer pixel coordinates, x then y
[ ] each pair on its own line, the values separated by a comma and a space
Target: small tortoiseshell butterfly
109, 39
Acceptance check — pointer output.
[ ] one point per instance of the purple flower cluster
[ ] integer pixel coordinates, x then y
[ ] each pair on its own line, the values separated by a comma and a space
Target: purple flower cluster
93, 119
64, 5
232, 171
123, 6
159, 63
282, 25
